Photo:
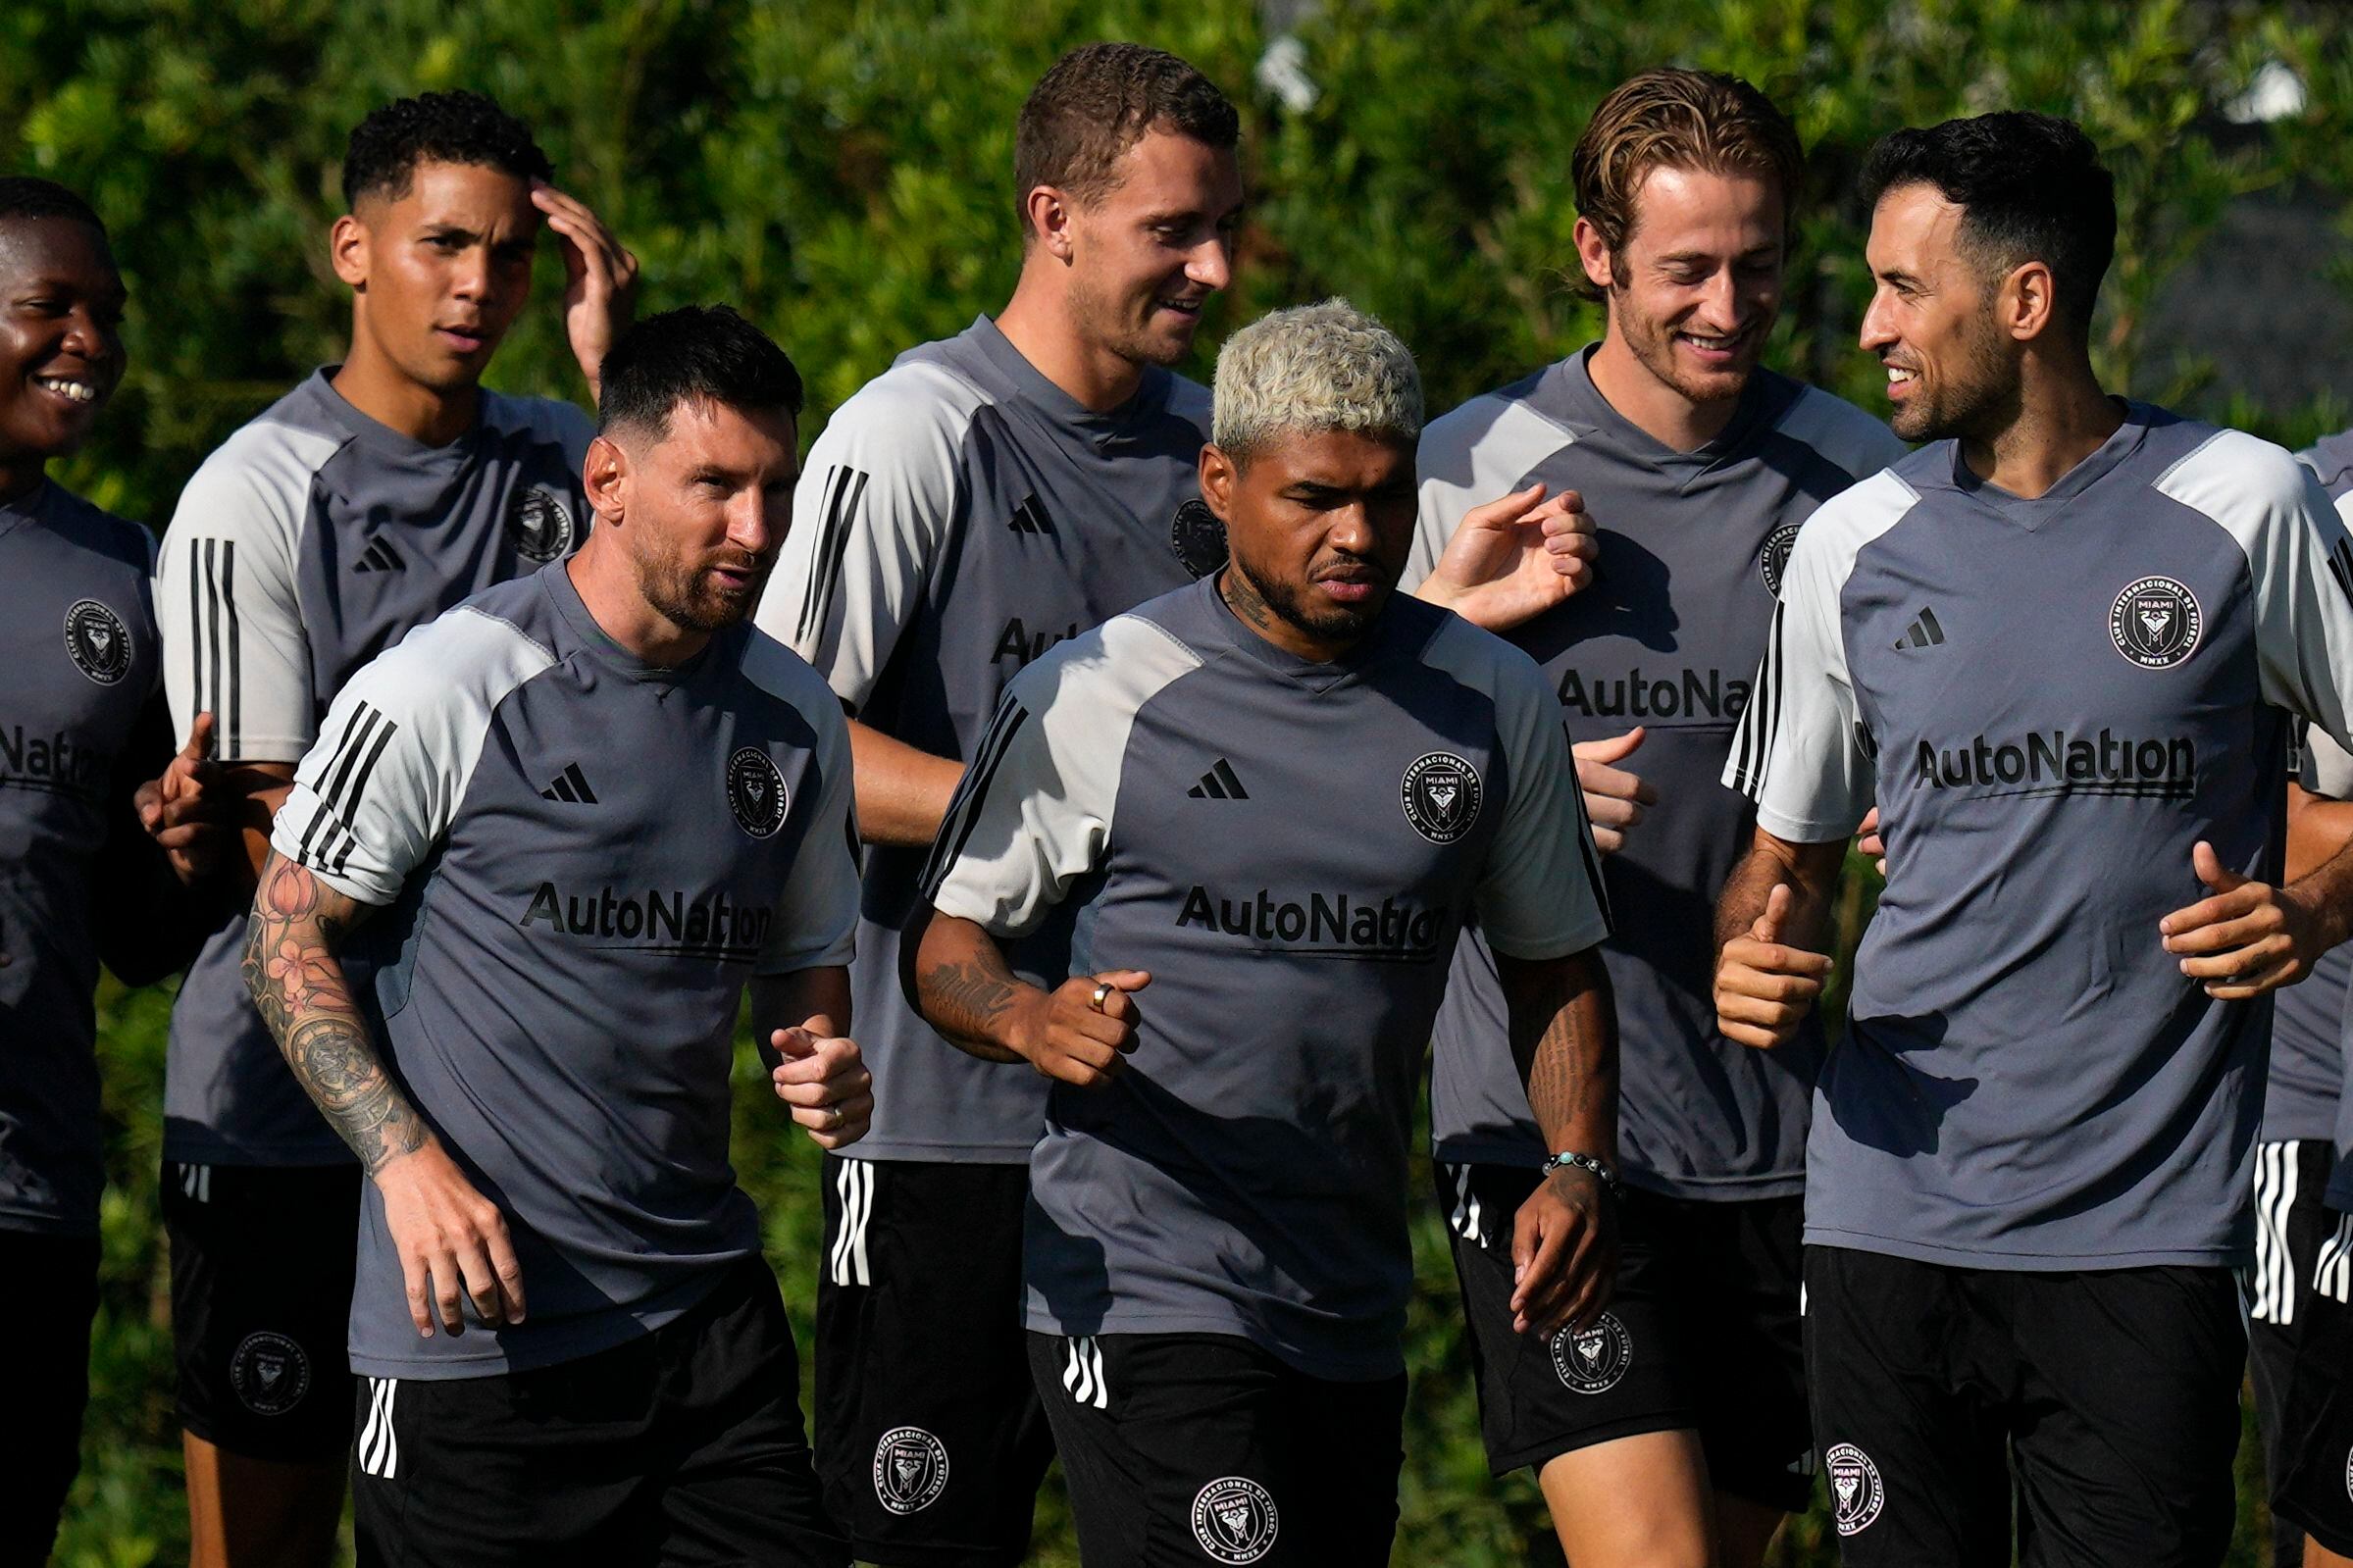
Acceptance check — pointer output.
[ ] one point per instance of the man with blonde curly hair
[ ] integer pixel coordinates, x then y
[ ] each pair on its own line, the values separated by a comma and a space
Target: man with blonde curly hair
1274, 799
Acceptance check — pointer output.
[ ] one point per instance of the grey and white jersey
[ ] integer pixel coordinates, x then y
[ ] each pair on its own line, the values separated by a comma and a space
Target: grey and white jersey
2308, 1019
1667, 637
2052, 700
311, 542
959, 517
1290, 848
585, 858
83, 668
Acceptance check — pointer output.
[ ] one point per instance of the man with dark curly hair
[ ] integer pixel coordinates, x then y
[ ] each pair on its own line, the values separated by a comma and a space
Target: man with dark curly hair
372, 497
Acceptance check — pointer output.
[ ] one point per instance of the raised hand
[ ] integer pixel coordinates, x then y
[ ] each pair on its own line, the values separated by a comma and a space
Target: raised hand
824, 1079
1513, 559
2248, 938
1763, 986
601, 278
1082, 1031
185, 809
1614, 798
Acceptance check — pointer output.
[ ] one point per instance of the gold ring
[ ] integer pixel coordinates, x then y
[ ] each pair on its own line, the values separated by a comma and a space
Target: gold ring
1102, 994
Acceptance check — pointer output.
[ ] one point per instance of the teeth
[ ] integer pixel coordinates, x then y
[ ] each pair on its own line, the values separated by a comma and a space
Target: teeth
1897, 377
79, 391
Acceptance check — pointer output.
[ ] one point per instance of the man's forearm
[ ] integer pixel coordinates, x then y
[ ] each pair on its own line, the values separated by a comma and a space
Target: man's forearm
903, 791
791, 1001
964, 989
1564, 1029
1809, 871
2327, 890
291, 968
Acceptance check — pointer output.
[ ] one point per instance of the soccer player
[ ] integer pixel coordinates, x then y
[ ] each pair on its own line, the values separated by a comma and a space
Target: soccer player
1686, 1401
374, 495
1272, 799
81, 725
582, 809
985, 497
2060, 646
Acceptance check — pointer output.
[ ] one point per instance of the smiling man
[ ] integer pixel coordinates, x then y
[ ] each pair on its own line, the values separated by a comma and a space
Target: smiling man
372, 497
2060, 648
1271, 800
1674, 1431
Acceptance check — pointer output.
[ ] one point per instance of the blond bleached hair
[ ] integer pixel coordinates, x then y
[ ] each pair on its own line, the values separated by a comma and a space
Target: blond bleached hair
1323, 366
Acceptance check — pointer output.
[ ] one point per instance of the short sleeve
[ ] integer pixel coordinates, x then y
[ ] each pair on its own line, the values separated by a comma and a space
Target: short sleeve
1800, 751
873, 507
376, 795
1022, 826
1541, 895
818, 918
232, 622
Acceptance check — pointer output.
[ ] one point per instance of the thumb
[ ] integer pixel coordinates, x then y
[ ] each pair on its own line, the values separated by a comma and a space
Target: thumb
1615, 748
1125, 978
1768, 928
2211, 870
794, 1043
200, 738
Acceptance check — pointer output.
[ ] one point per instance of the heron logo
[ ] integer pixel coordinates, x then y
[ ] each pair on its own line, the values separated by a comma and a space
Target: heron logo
1440, 794
538, 524
269, 1373
1591, 1360
1856, 1494
1234, 1519
98, 641
755, 793
910, 1470
2155, 623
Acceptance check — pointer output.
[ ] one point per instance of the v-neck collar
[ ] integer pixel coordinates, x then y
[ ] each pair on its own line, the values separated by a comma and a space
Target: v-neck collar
2033, 513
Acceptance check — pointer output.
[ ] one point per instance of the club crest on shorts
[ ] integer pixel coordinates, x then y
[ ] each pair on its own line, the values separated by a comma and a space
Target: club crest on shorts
98, 641
755, 793
2155, 623
538, 524
1773, 559
1592, 1361
910, 1470
1856, 1495
1234, 1519
1198, 538
269, 1373
1441, 797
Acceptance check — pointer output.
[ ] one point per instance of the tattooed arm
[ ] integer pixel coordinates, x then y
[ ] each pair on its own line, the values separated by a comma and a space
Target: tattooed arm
959, 981
1563, 1031
452, 1242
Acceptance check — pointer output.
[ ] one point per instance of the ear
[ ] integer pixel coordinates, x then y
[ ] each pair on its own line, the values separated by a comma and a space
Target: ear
2028, 305
348, 250
1218, 478
1593, 251
604, 478
1049, 212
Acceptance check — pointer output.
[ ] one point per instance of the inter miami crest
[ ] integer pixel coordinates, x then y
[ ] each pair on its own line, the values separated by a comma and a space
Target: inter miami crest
1856, 1495
537, 525
910, 1469
1773, 559
1441, 797
755, 793
98, 641
1198, 538
2155, 623
269, 1374
1591, 1360
1235, 1520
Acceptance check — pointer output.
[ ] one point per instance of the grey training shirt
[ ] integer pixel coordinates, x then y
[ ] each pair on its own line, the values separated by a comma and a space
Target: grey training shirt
959, 517
1667, 637
2051, 701
83, 668
312, 541
586, 858
1290, 848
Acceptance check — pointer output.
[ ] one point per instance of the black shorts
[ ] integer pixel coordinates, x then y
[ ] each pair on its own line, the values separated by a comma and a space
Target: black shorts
1701, 1334
262, 1258
2097, 1407
2293, 1224
1182, 1450
921, 1358
681, 1447
45, 1314
2311, 1472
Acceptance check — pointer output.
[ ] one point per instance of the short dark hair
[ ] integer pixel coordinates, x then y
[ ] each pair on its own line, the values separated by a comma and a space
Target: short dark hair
31, 196
436, 128
1671, 117
1100, 100
2031, 188
694, 354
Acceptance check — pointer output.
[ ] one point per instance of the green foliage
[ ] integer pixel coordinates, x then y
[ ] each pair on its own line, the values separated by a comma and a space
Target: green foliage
841, 170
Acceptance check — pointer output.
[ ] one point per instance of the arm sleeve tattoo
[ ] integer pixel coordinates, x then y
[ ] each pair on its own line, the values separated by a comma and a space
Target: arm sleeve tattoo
291, 968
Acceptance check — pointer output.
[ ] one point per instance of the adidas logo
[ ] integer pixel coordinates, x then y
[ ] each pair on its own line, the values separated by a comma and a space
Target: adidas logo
1923, 633
571, 786
381, 556
1030, 518
1220, 783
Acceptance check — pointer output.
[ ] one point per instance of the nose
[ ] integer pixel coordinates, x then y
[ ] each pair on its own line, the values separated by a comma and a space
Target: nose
1720, 301
84, 335
755, 522
1351, 530
1211, 264
1878, 329
470, 278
